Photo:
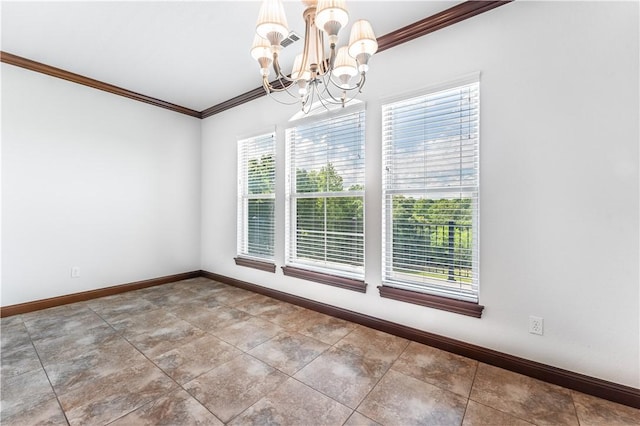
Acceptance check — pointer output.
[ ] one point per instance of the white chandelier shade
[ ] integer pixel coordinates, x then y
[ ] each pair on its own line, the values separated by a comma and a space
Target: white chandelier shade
331, 16
326, 78
362, 43
272, 21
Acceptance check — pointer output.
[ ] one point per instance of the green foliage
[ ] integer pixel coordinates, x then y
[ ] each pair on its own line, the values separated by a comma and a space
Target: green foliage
329, 228
260, 180
433, 236
260, 227
261, 175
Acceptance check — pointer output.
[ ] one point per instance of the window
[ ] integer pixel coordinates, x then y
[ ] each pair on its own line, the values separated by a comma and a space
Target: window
430, 191
325, 200
256, 201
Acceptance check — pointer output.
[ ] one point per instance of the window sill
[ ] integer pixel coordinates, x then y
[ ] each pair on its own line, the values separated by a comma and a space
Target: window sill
437, 302
320, 277
256, 264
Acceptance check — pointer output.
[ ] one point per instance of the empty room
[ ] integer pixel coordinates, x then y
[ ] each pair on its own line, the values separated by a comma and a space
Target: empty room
320, 212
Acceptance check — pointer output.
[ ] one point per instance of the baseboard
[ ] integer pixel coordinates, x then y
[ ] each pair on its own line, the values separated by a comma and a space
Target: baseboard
601, 388
22, 308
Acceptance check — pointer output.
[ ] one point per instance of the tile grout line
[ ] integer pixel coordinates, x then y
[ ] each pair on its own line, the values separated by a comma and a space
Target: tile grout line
468, 397
120, 335
44, 370
209, 334
330, 346
160, 368
381, 377
476, 376
243, 352
473, 381
489, 406
117, 332
284, 330
296, 379
575, 409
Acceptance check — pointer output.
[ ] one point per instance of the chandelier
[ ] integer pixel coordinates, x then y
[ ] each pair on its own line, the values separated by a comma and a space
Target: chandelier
316, 76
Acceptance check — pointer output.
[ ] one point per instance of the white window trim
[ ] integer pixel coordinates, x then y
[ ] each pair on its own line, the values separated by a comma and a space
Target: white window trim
243, 197
291, 259
436, 288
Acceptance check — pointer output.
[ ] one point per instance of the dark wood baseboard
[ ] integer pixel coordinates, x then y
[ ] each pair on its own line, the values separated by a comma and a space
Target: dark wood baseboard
36, 305
601, 388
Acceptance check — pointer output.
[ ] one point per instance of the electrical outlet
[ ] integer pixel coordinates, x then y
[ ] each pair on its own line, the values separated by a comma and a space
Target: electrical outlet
536, 325
75, 271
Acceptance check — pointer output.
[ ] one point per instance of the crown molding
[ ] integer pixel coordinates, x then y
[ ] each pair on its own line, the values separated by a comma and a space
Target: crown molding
436, 22
11, 59
432, 23
441, 20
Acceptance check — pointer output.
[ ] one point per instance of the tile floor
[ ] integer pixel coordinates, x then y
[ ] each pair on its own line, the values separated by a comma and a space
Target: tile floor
201, 352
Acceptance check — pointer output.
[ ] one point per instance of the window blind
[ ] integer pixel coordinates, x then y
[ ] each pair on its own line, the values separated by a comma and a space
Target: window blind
430, 191
325, 195
256, 196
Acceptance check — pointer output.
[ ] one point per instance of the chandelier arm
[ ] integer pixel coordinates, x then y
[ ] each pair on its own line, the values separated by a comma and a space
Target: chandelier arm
343, 99
320, 45
287, 86
363, 79
270, 90
276, 64
307, 102
278, 70
325, 101
284, 88
271, 95
322, 102
328, 92
305, 52
315, 65
358, 85
332, 57
325, 96
266, 85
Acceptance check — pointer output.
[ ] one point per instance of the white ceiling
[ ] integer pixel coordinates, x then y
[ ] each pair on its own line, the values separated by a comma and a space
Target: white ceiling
190, 53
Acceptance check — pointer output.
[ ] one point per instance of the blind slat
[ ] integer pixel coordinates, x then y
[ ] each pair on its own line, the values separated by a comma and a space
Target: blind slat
430, 185
256, 198
325, 192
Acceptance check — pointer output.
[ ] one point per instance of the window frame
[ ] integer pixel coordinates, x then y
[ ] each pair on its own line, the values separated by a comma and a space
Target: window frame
244, 257
325, 272
429, 292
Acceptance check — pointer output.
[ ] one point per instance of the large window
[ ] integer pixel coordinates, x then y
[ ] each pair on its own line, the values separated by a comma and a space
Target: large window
430, 185
325, 196
256, 197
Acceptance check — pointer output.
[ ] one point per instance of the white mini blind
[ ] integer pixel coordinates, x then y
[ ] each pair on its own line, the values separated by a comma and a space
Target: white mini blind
430, 190
256, 196
325, 195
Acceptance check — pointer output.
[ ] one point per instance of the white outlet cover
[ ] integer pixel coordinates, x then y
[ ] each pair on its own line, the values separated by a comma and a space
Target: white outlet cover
536, 325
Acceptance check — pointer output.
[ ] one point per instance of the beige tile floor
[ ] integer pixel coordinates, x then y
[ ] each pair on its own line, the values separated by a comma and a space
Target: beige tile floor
201, 352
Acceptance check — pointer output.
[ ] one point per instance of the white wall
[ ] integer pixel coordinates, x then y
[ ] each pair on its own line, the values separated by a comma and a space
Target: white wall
93, 180
559, 183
